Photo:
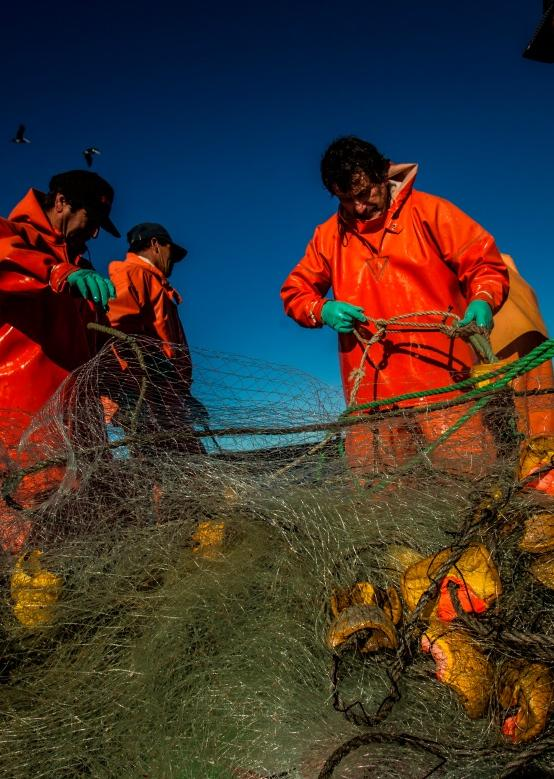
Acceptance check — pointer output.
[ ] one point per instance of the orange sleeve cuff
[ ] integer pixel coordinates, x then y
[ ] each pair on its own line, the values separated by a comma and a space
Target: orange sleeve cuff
314, 312
59, 275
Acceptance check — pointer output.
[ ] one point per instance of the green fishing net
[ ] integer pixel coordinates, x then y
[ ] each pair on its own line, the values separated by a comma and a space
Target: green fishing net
190, 554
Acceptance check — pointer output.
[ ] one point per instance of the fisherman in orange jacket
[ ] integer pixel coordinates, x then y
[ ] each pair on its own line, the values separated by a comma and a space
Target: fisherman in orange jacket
518, 329
48, 294
146, 305
392, 250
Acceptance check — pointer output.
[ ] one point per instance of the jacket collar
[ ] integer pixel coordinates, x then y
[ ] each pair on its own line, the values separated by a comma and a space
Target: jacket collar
401, 181
136, 259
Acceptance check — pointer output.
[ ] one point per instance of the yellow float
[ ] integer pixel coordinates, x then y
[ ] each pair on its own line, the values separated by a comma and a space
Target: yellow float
35, 590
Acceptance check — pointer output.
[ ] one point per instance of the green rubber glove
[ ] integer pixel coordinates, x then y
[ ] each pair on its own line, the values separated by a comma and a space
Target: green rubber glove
479, 312
341, 316
92, 286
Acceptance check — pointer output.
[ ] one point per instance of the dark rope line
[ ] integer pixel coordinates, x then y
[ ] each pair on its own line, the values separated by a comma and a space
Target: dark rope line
341, 423
406, 739
493, 632
364, 739
544, 469
528, 756
189, 434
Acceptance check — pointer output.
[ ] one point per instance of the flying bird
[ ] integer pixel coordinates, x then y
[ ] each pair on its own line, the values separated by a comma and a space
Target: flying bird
89, 153
20, 135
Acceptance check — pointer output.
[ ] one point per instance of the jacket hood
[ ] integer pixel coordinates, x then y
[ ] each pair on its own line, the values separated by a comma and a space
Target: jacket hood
401, 179
30, 211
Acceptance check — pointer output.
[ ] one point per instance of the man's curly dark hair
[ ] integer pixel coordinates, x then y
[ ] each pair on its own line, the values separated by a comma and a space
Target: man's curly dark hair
349, 155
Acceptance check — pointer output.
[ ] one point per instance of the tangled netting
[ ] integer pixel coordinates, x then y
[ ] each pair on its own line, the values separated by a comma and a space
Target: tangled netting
242, 584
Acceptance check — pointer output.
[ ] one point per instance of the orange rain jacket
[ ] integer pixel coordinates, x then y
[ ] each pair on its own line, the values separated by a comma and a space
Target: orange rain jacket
43, 336
425, 254
146, 304
518, 329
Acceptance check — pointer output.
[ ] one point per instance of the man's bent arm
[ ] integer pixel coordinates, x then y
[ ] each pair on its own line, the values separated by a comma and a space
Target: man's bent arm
472, 254
304, 290
26, 271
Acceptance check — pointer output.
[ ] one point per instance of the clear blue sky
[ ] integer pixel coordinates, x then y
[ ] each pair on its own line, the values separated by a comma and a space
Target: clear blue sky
212, 119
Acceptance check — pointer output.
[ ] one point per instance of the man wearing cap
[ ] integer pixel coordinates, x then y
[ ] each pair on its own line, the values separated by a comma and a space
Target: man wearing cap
146, 305
48, 294
391, 251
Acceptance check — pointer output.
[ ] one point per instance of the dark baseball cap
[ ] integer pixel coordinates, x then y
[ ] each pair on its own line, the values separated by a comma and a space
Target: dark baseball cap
147, 230
86, 189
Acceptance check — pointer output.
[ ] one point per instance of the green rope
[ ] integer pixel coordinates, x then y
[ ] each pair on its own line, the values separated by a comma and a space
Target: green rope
480, 403
508, 372
483, 395
537, 356
424, 453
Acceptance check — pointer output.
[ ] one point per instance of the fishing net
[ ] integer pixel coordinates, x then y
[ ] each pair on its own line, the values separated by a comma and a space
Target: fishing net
253, 582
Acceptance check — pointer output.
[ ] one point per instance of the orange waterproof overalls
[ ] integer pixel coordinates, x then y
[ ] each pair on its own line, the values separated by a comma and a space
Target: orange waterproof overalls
518, 329
43, 335
425, 254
